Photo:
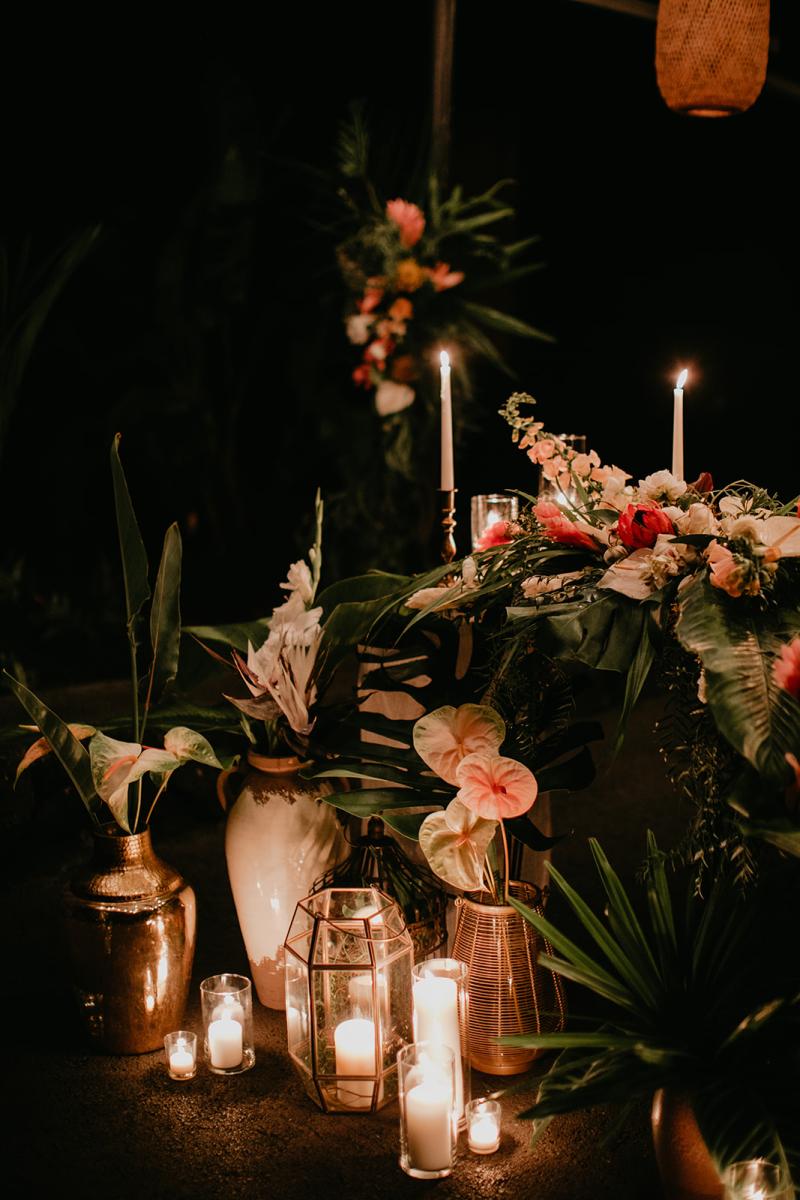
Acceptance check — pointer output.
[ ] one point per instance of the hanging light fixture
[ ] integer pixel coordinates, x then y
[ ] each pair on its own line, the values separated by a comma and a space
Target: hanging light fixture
711, 55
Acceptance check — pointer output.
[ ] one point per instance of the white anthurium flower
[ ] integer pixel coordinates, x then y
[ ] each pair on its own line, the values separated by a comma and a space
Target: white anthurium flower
631, 576
732, 506
455, 843
782, 533
391, 397
444, 737
661, 485
187, 745
541, 585
116, 764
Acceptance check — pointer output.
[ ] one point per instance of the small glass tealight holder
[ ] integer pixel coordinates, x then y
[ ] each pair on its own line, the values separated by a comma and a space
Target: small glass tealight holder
756, 1180
483, 1126
428, 1130
181, 1051
491, 516
227, 1005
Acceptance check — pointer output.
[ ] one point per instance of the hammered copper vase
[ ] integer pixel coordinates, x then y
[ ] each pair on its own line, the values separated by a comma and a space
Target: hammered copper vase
509, 993
131, 921
684, 1163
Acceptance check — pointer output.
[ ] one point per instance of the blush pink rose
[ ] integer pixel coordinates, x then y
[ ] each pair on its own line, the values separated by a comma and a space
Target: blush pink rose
409, 220
494, 787
786, 670
640, 524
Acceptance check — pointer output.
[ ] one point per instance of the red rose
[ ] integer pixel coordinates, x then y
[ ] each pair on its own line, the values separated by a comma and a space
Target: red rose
640, 524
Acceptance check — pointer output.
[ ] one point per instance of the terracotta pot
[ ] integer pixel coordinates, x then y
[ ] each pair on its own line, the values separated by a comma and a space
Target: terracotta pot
509, 993
131, 922
279, 839
687, 1171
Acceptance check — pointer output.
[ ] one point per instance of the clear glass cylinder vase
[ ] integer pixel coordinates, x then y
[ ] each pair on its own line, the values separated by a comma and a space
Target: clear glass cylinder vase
441, 1016
426, 1077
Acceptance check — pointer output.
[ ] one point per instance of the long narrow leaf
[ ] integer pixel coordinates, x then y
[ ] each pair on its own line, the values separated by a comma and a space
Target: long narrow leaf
132, 551
68, 750
165, 619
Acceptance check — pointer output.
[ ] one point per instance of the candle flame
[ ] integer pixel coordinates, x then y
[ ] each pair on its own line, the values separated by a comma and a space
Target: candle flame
444, 358
684, 375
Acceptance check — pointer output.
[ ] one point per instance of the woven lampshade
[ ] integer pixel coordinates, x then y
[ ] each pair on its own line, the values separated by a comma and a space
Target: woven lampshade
711, 55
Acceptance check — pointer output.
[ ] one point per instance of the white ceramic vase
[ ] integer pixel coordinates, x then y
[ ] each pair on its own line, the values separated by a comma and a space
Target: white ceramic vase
279, 839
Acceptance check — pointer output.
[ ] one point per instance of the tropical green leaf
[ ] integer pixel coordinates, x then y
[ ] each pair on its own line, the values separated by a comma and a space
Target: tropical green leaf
406, 824
165, 620
370, 802
66, 747
236, 635
504, 323
571, 775
737, 645
132, 551
524, 830
635, 681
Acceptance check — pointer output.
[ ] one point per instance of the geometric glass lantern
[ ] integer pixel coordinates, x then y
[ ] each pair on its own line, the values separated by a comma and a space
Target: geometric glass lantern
348, 997
377, 861
711, 57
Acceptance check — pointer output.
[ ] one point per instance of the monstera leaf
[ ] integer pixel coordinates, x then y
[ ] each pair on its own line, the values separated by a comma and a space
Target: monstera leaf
737, 644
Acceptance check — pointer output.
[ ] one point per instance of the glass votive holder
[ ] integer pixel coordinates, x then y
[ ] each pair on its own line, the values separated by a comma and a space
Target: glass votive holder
756, 1179
426, 1088
483, 1126
491, 516
180, 1049
227, 1007
440, 996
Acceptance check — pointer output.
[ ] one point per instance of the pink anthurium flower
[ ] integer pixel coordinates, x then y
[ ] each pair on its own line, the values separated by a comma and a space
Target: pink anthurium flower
455, 843
446, 735
495, 787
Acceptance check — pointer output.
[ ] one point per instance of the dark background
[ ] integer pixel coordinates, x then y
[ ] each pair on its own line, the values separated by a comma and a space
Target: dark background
205, 323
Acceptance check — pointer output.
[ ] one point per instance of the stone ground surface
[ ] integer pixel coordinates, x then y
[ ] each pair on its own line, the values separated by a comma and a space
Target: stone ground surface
119, 1128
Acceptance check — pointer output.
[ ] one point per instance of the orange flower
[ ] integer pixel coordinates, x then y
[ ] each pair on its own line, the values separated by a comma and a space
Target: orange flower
409, 275
402, 309
443, 278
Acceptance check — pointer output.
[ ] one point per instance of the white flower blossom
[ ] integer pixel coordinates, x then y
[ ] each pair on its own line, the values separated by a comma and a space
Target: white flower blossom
358, 327
392, 397
661, 485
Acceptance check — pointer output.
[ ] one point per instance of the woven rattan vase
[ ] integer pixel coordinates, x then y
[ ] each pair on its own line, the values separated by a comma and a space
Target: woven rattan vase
711, 55
509, 993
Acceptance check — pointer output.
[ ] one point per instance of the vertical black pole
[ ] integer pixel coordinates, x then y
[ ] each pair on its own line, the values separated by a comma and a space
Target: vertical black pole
444, 24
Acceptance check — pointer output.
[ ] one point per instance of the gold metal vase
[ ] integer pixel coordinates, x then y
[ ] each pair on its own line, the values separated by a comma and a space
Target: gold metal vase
509, 993
131, 922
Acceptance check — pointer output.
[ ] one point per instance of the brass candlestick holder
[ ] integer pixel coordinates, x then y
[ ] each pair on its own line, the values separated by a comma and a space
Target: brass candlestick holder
448, 497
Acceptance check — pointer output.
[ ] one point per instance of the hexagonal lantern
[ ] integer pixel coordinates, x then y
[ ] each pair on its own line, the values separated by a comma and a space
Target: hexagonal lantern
348, 997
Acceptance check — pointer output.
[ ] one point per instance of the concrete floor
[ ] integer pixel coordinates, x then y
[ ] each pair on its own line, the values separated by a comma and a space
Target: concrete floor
118, 1128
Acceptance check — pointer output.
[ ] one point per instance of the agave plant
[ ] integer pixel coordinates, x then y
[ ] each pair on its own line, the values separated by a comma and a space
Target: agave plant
683, 1009
110, 776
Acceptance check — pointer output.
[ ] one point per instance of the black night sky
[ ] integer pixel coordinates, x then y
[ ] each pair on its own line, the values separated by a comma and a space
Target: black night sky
668, 242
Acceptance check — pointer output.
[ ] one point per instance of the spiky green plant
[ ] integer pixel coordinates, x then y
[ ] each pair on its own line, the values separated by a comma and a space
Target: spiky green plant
686, 1006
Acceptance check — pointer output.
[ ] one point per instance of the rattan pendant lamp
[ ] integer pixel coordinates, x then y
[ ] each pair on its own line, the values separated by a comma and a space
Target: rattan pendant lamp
711, 55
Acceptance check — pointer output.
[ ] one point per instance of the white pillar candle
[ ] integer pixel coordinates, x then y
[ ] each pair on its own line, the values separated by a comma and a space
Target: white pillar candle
355, 1055
677, 426
181, 1061
429, 1126
436, 1020
360, 991
228, 1010
448, 473
225, 1043
484, 1134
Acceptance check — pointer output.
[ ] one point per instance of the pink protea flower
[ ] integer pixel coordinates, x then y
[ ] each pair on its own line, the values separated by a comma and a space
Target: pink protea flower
409, 219
443, 278
443, 737
786, 669
495, 787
